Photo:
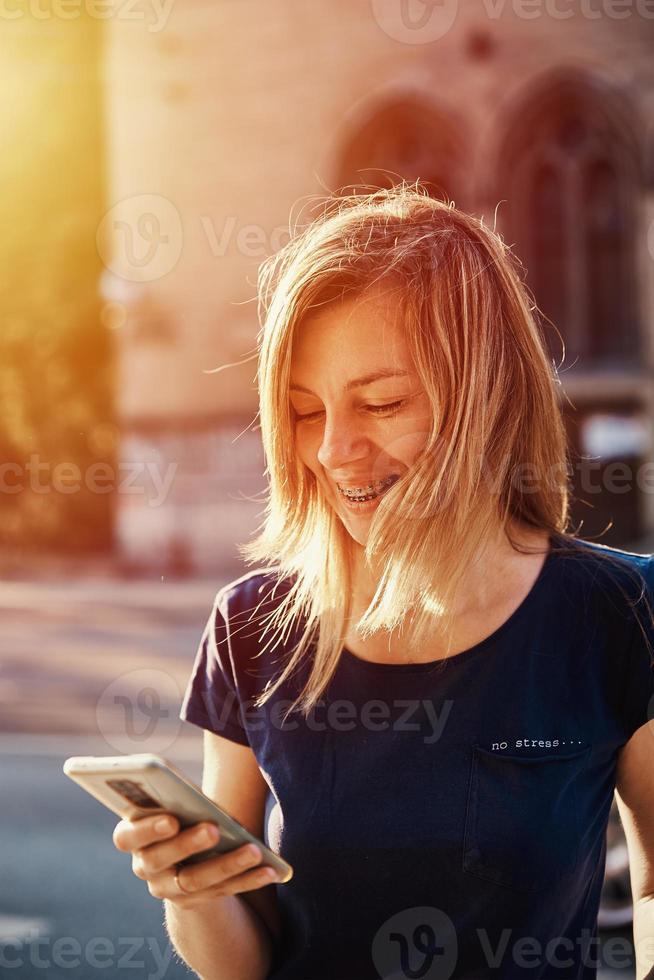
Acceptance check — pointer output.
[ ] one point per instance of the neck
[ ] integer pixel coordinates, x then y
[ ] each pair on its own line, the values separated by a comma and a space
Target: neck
495, 560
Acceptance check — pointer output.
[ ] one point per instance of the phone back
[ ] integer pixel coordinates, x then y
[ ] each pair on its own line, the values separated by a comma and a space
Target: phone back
141, 785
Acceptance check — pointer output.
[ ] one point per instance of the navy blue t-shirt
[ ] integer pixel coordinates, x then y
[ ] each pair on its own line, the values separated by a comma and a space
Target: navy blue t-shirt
443, 819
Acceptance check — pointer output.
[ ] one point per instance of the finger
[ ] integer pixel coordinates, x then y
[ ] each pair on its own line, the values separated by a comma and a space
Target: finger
242, 882
155, 858
129, 835
215, 871
248, 881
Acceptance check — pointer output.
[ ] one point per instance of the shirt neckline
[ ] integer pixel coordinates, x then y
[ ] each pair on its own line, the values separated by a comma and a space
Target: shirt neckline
464, 655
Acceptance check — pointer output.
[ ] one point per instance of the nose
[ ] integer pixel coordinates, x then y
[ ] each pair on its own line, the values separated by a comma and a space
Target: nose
342, 443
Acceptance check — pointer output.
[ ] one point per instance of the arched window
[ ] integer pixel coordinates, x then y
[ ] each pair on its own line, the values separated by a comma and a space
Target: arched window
547, 224
568, 173
405, 138
607, 233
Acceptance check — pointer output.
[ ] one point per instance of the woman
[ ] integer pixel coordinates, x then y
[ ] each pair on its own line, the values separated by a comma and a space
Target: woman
422, 696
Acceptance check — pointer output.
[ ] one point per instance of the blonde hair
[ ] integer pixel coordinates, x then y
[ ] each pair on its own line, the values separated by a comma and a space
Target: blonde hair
481, 358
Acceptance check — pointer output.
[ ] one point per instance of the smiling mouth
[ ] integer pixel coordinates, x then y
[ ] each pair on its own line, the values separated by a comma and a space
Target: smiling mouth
369, 492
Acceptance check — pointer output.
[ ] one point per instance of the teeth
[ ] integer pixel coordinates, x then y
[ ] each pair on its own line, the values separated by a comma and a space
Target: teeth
369, 492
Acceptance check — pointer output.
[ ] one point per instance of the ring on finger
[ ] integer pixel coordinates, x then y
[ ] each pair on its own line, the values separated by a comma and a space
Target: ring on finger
180, 886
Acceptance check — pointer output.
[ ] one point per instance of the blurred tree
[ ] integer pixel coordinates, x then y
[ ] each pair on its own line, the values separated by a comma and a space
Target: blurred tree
56, 362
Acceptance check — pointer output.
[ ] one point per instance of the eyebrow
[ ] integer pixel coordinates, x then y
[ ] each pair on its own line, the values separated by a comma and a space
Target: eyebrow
366, 379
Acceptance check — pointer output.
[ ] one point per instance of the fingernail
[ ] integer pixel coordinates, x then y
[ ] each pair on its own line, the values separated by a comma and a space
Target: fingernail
163, 825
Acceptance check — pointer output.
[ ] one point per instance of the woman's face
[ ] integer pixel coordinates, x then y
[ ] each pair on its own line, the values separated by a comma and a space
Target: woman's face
353, 430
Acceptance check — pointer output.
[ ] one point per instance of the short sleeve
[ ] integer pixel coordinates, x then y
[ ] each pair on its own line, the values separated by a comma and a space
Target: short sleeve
638, 692
211, 699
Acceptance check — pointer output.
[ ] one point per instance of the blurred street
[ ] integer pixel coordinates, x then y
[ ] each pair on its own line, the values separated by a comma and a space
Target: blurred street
65, 647
77, 659
70, 905
70, 653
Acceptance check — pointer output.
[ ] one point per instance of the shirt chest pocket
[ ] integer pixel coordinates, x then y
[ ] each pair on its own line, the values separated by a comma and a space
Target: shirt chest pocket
521, 826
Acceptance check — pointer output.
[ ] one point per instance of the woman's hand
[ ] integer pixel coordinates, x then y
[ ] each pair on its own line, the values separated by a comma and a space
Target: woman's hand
155, 854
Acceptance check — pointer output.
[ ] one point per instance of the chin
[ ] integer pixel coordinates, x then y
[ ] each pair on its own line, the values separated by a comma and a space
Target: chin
358, 535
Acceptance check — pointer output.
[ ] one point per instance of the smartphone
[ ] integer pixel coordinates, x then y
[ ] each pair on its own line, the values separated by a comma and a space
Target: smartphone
135, 786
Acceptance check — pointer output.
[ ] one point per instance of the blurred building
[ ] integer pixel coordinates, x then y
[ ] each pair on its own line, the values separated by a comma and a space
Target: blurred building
223, 118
